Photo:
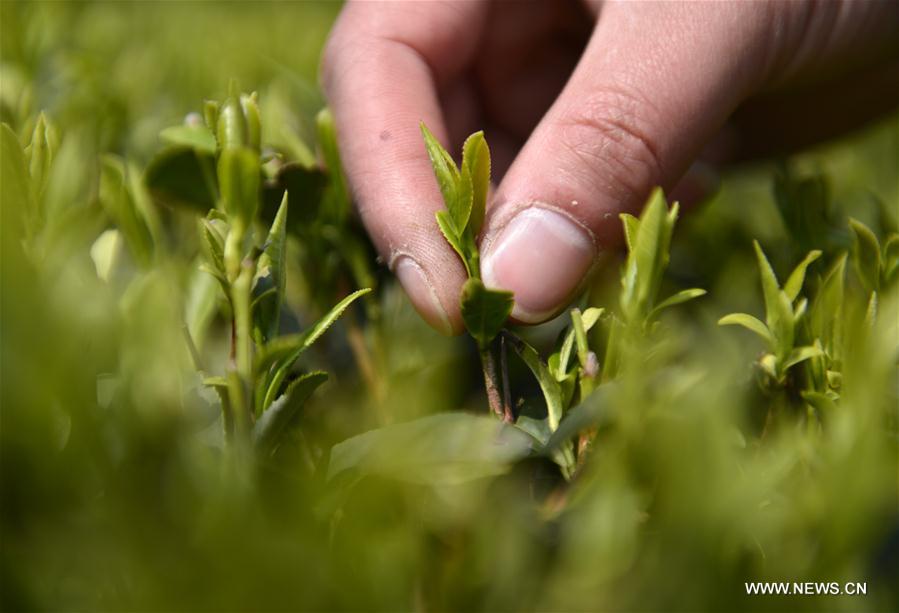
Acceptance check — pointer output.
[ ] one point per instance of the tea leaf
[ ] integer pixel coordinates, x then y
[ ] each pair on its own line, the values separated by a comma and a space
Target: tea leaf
794, 284
821, 402
675, 299
890, 259
648, 258
631, 228
750, 323
444, 448
552, 392
271, 275
213, 245
15, 190
448, 176
448, 228
105, 251
275, 421
118, 202
292, 345
476, 159
800, 354
827, 309
866, 255
778, 308
595, 410
39, 154
484, 311
580, 336
199, 138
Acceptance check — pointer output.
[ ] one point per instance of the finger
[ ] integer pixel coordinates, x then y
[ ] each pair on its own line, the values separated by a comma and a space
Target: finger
637, 109
382, 69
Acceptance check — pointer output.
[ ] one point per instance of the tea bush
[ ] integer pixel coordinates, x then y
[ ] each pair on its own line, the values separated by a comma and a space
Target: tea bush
214, 397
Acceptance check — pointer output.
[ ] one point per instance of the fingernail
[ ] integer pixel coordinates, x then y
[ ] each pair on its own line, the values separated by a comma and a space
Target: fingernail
422, 293
541, 256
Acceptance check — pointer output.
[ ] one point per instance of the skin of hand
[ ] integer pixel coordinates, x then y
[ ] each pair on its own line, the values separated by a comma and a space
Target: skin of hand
586, 107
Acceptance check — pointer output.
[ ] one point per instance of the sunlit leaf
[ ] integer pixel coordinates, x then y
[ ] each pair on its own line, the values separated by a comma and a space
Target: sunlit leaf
794, 284
866, 255
675, 299
292, 344
750, 323
476, 158
801, 354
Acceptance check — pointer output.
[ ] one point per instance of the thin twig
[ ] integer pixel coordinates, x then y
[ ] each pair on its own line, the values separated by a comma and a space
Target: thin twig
491, 383
508, 416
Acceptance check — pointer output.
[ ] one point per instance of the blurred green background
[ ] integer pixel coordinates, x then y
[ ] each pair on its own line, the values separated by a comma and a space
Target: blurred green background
116, 494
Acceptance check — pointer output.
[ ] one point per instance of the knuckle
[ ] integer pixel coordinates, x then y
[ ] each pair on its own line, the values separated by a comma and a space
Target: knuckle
610, 136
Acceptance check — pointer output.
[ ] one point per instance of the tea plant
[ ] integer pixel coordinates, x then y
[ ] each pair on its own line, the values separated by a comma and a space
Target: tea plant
633, 473
484, 310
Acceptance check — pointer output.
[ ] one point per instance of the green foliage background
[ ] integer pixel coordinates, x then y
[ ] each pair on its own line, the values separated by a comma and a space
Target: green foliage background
117, 493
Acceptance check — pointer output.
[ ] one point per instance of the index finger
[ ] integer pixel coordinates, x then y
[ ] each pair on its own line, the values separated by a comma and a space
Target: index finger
381, 71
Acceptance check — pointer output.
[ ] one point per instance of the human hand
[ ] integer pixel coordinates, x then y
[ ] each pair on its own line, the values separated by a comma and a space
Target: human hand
586, 108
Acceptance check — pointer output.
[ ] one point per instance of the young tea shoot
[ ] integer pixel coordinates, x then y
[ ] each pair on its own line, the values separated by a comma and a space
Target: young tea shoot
484, 310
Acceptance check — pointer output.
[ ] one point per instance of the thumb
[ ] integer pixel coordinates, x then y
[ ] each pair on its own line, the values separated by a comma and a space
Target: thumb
656, 81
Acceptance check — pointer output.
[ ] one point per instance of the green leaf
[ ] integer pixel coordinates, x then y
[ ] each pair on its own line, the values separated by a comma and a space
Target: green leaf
631, 228
15, 187
552, 392
580, 336
648, 258
183, 177
199, 137
271, 275
105, 251
794, 284
800, 354
239, 175
593, 411
821, 402
750, 323
276, 420
39, 153
484, 311
778, 307
827, 309
118, 202
866, 255
890, 269
446, 172
294, 344
213, 243
448, 228
539, 430
444, 448
476, 159
558, 362
675, 299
